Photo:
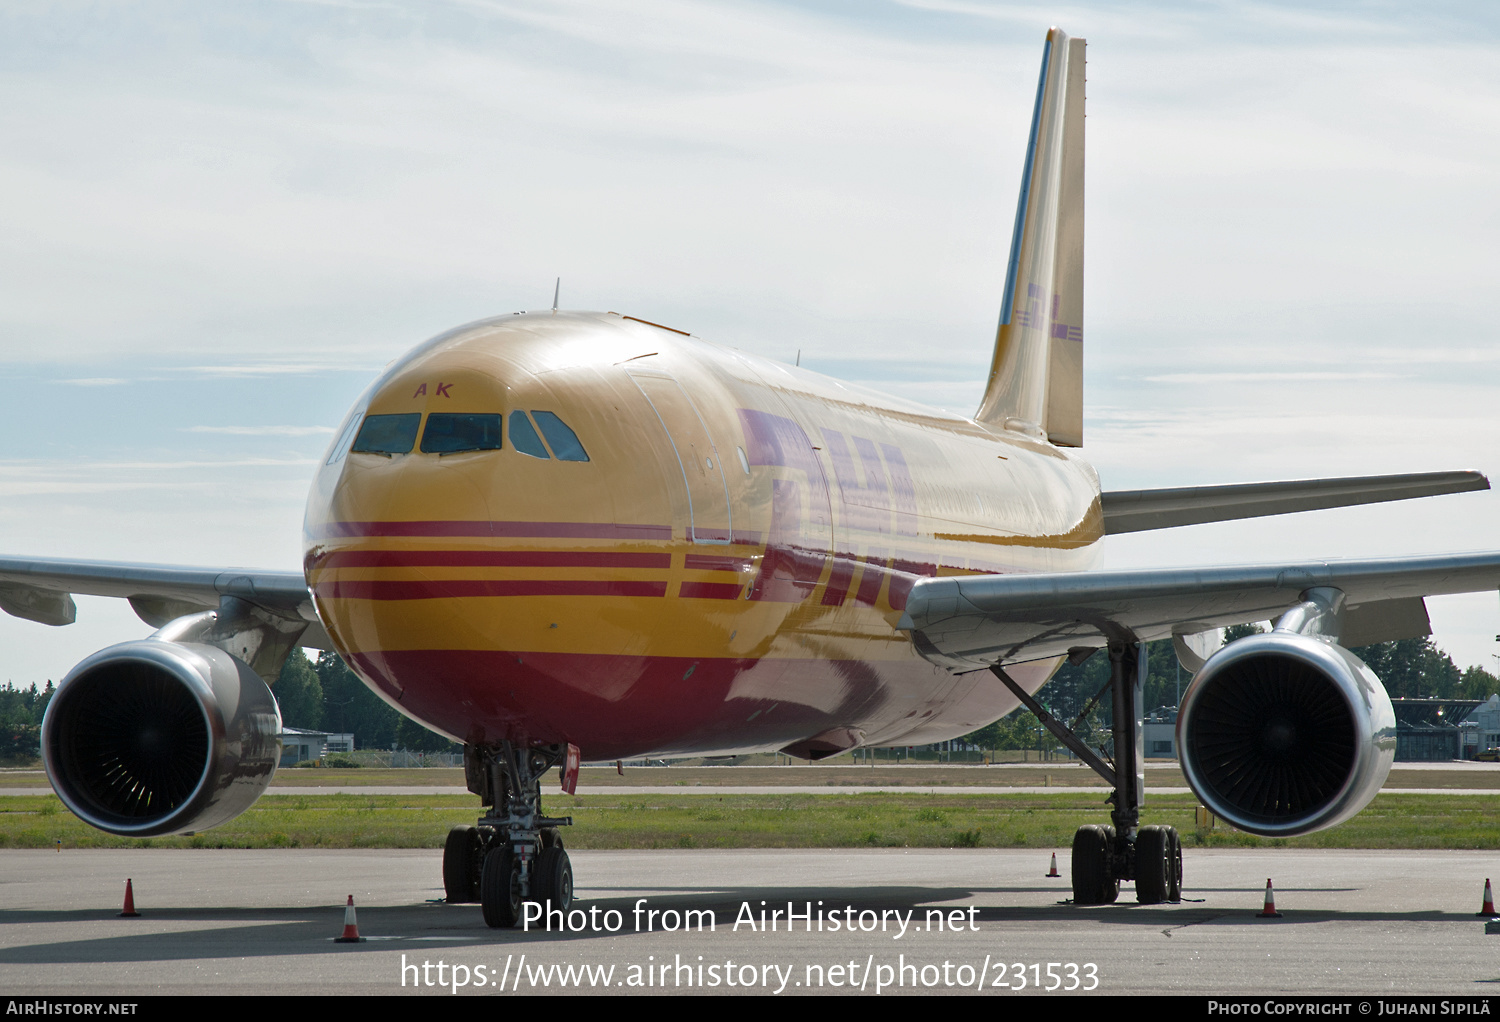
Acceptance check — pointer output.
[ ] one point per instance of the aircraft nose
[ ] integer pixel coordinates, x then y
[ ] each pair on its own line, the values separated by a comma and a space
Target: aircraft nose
475, 529
487, 455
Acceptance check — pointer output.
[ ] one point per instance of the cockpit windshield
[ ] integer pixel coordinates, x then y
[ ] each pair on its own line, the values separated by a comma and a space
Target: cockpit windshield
387, 434
453, 433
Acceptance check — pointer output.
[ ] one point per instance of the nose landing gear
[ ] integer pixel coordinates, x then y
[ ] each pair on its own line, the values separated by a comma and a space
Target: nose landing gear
514, 854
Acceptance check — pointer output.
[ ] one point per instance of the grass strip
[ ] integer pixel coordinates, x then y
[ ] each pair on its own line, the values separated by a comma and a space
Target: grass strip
680, 820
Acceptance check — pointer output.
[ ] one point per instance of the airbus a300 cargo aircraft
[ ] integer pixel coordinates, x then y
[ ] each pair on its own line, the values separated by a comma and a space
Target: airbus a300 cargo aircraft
559, 535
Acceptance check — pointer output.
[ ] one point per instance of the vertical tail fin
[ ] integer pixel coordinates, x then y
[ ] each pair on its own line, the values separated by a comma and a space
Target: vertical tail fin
1036, 376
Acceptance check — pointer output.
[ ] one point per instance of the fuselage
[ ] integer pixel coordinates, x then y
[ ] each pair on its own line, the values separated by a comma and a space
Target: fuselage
723, 573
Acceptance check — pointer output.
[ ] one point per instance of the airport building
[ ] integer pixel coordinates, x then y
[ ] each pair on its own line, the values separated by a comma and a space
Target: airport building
1482, 728
1427, 730
1160, 733
300, 746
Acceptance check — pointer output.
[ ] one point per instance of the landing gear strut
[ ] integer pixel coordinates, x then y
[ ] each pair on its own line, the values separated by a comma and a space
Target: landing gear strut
514, 854
1103, 856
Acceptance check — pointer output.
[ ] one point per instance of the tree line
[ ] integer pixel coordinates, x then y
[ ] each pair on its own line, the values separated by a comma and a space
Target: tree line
1409, 668
21, 712
325, 695
315, 695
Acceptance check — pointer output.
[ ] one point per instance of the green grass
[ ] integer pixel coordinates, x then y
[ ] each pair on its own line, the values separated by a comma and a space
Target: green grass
673, 819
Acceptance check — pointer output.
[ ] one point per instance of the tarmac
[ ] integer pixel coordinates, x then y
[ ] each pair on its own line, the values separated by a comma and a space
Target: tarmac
1365, 924
767, 789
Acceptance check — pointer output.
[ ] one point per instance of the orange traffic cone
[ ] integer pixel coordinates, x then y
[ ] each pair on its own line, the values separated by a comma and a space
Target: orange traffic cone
1489, 901
129, 912
1054, 872
351, 926
1269, 912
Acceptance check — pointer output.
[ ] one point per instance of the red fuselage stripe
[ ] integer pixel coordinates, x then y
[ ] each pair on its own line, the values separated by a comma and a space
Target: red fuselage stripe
709, 590
456, 588
700, 562
571, 530
493, 559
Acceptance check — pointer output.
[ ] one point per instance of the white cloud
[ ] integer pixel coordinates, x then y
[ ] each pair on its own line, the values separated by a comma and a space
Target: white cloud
252, 369
261, 430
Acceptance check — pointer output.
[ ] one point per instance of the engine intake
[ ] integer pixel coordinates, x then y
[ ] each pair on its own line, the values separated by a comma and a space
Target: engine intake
1284, 734
154, 737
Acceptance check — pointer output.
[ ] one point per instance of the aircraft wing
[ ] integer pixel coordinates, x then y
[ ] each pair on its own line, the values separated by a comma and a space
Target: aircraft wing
974, 621
42, 590
1142, 510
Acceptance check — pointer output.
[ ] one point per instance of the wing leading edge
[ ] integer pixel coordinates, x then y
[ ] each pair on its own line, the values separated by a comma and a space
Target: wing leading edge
975, 621
42, 590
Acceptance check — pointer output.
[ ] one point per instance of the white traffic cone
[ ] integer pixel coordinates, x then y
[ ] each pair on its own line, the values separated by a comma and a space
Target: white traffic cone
1269, 912
351, 926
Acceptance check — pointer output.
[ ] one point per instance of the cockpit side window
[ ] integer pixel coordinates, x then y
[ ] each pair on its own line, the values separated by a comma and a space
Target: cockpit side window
523, 436
452, 433
562, 439
387, 434
341, 445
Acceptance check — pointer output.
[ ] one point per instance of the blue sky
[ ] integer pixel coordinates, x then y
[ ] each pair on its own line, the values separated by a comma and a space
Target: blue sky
217, 222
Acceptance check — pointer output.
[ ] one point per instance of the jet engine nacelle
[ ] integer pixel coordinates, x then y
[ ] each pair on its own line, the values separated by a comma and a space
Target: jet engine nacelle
1284, 734
157, 737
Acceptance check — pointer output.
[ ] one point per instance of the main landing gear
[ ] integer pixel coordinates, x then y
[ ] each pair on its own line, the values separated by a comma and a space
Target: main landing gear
1103, 856
513, 854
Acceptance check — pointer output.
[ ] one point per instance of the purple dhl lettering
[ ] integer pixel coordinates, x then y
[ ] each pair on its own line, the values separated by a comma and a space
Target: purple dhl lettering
787, 574
903, 488
875, 485
843, 464
793, 562
861, 507
777, 440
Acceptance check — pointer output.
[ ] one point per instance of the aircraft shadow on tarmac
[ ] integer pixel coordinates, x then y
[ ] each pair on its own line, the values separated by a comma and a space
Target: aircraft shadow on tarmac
262, 932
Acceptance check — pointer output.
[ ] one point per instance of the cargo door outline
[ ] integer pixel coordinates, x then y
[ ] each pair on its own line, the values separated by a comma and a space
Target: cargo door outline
706, 487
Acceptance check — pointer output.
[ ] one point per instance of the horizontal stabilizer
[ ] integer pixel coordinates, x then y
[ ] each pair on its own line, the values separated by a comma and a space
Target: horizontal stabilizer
1143, 510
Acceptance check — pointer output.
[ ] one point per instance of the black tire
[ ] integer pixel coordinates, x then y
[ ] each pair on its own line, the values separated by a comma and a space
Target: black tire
500, 888
551, 837
1111, 890
552, 880
1090, 866
463, 855
1153, 865
1174, 871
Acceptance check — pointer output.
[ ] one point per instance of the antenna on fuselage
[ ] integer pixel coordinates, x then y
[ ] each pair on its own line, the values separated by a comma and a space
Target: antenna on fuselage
556, 290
